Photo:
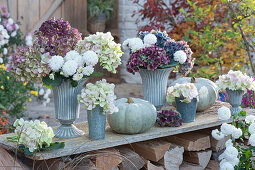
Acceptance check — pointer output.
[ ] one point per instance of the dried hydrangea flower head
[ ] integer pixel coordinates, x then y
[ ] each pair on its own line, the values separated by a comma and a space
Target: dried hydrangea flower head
56, 36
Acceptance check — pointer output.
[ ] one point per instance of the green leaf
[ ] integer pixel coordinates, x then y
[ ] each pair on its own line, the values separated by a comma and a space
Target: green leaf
2, 107
53, 146
182, 10
25, 150
242, 113
74, 83
49, 82
96, 74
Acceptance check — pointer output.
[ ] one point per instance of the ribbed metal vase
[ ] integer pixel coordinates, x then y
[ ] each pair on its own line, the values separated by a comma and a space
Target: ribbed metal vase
154, 85
67, 108
97, 123
187, 110
235, 100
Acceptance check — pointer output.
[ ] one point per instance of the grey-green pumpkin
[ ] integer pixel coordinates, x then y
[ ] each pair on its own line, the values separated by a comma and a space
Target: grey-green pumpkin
134, 116
205, 102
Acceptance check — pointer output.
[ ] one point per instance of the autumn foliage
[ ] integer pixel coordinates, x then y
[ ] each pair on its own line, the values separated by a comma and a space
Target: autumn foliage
4, 124
208, 26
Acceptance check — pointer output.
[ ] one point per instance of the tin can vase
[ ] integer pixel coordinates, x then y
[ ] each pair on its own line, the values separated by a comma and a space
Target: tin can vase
67, 108
235, 100
187, 110
154, 85
97, 123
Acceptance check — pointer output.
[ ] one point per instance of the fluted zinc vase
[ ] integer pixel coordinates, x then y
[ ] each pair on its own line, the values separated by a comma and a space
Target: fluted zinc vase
235, 100
67, 108
187, 110
97, 123
154, 85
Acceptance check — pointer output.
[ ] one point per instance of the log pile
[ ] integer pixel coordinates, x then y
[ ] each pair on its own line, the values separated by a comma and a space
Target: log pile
188, 151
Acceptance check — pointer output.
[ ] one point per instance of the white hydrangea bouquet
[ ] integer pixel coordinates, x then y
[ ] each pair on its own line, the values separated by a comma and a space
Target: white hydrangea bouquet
240, 148
186, 92
59, 53
235, 80
33, 136
99, 94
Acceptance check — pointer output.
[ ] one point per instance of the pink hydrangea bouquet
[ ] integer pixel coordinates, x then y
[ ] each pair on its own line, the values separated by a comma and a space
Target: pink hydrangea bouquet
155, 50
236, 80
58, 53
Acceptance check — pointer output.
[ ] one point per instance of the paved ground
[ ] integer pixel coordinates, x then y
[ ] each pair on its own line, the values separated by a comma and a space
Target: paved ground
37, 111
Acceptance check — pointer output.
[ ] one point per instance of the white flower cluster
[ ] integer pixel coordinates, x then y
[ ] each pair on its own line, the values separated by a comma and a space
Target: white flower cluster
33, 134
1, 60
187, 91
73, 64
135, 44
7, 30
180, 56
109, 53
101, 93
224, 113
235, 80
29, 39
43, 95
229, 158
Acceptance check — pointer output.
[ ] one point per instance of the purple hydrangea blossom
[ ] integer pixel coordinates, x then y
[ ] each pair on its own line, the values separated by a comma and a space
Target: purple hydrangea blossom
169, 118
56, 36
149, 58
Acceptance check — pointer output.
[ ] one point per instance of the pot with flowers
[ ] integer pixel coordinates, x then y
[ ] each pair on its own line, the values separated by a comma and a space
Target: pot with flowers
186, 98
235, 83
154, 55
99, 100
57, 60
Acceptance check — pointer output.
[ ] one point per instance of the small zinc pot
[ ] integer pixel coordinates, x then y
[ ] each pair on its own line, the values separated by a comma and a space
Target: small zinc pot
187, 110
97, 123
154, 85
235, 100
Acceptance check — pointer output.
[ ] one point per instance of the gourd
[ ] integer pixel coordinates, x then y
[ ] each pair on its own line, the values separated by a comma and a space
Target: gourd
205, 102
134, 116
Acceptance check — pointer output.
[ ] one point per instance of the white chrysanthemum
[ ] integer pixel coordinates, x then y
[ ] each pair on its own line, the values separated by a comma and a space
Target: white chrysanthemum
79, 70
125, 44
10, 21
77, 76
229, 143
252, 140
250, 119
226, 166
216, 134
230, 153
226, 128
41, 91
1, 60
135, 44
236, 133
180, 56
13, 34
90, 58
150, 39
52, 76
74, 55
56, 62
88, 70
29, 39
252, 128
203, 92
69, 68
224, 113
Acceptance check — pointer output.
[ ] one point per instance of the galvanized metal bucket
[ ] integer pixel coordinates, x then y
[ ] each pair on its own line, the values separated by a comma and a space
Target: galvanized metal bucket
187, 110
235, 100
154, 85
67, 108
97, 123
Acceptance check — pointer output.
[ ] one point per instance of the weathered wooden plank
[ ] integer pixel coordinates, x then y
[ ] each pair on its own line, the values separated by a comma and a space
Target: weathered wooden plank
13, 8
28, 14
83, 144
3, 2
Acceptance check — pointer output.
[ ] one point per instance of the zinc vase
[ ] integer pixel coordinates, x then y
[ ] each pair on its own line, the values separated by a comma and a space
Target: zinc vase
187, 110
67, 108
97, 123
154, 85
235, 100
